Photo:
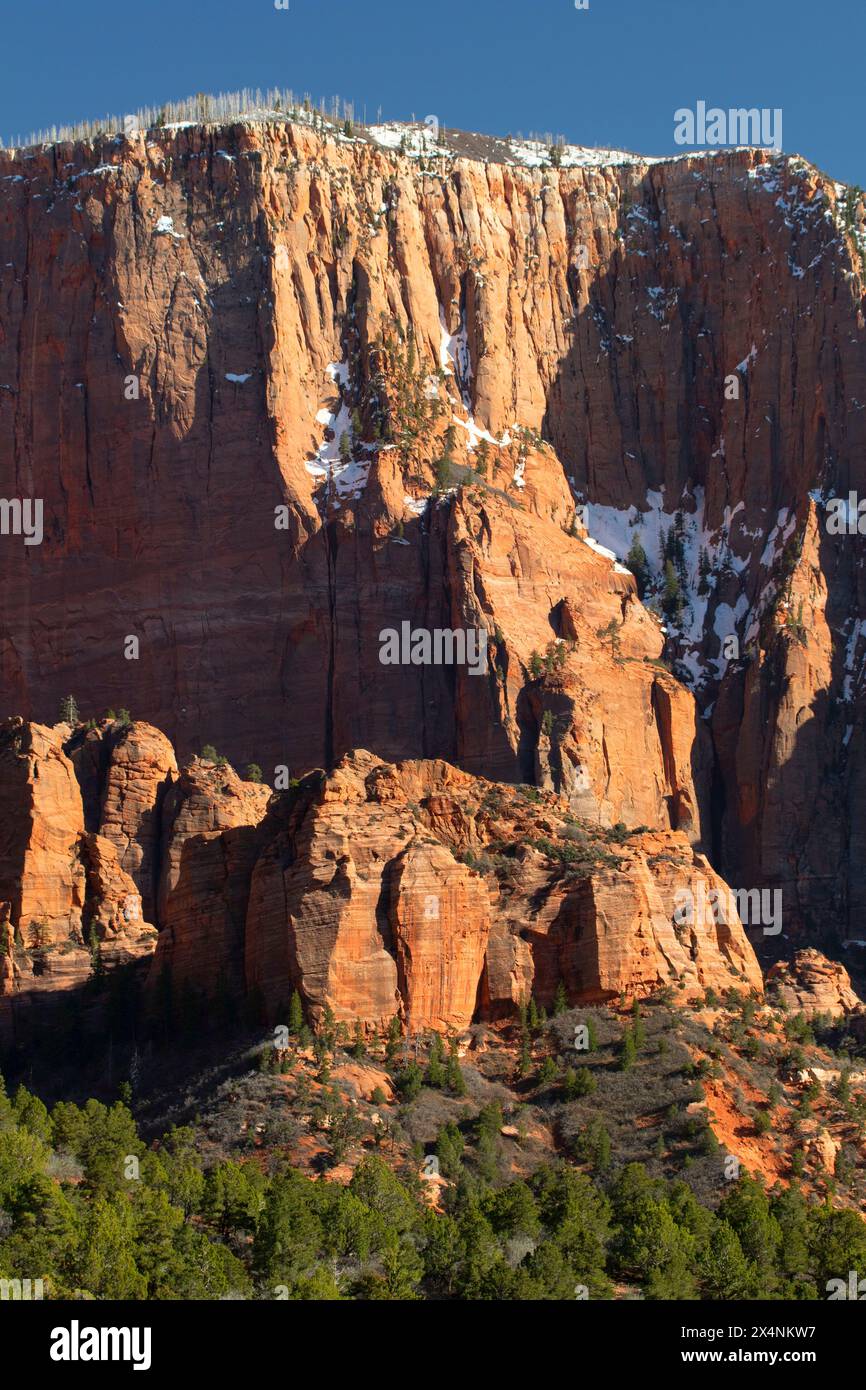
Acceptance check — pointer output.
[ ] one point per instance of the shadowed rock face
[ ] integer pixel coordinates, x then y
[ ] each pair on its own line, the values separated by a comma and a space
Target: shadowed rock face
63, 890
204, 295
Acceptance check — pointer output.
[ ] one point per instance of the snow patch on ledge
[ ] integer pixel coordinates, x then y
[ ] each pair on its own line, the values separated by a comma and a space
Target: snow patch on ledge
344, 478
165, 227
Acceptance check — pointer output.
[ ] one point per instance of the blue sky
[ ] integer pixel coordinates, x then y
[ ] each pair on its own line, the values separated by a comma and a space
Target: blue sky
611, 75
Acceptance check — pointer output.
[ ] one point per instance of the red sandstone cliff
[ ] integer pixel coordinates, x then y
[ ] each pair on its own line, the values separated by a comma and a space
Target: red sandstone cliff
413, 890
190, 320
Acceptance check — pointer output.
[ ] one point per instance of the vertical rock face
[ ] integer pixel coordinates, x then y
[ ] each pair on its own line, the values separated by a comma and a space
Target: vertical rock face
204, 798
318, 915
440, 916
114, 903
140, 769
201, 941
63, 890
41, 821
618, 929
677, 344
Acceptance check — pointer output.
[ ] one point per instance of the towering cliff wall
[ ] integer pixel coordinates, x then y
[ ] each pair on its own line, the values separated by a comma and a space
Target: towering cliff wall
232, 362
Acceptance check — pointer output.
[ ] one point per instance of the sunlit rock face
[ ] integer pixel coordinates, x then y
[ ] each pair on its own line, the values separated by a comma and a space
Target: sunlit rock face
281, 392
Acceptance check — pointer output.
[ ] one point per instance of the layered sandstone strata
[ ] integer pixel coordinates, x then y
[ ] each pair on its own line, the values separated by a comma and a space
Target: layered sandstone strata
813, 985
418, 891
64, 894
411, 890
218, 308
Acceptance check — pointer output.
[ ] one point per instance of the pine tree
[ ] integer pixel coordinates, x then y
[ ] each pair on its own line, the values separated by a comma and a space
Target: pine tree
628, 1051
410, 1081
610, 633
726, 1273
436, 1073
638, 563
704, 571
444, 477
296, 1014
69, 713
455, 1078
679, 546
392, 1042
97, 964
547, 1072
672, 595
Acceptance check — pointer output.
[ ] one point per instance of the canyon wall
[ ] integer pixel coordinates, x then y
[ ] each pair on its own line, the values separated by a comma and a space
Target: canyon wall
232, 362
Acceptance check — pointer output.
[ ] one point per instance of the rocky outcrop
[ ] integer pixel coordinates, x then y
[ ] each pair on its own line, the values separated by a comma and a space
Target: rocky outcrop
64, 895
616, 929
413, 889
41, 824
440, 917
316, 919
206, 796
387, 891
140, 770
811, 984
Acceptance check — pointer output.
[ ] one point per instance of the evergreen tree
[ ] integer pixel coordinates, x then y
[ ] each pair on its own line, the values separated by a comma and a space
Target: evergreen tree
672, 600
638, 563
579, 1083
449, 1151
359, 1046
436, 1074
410, 1079
392, 1043
69, 713
454, 1077
296, 1014
725, 1271
628, 1051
